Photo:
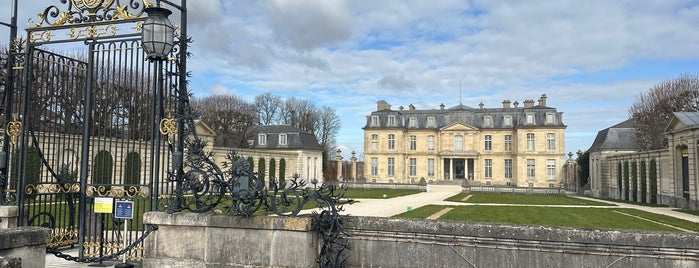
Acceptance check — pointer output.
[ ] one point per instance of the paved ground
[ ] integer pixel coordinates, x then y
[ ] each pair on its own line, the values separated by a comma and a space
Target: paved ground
396, 205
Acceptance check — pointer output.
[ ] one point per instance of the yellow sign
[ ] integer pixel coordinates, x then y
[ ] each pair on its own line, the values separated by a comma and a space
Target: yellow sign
104, 204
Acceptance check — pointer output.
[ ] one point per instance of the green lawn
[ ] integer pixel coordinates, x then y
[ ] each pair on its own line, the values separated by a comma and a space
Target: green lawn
598, 218
633, 203
664, 219
503, 198
378, 193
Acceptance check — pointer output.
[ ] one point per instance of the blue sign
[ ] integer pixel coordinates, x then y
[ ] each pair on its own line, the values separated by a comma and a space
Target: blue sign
123, 210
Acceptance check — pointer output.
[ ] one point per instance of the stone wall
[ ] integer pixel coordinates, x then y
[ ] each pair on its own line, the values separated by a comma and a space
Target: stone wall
186, 239
24, 244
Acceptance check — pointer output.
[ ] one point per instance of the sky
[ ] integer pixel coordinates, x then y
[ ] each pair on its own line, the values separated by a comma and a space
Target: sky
591, 58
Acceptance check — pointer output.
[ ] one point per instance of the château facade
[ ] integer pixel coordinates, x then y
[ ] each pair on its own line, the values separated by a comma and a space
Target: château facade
511, 145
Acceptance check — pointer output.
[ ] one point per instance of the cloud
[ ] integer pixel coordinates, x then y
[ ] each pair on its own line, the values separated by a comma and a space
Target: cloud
220, 89
305, 25
395, 82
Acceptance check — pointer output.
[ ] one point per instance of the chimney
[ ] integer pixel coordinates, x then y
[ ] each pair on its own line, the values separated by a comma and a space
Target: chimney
441, 106
542, 100
411, 107
382, 105
528, 103
481, 105
400, 108
506, 104
516, 104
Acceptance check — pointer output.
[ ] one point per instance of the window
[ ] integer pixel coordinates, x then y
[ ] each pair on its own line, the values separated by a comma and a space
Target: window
530, 141
374, 166
412, 122
391, 121
488, 142
430, 143
391, 166
374, 142
458, 143
550, 141
550, 118
487, 121
508, 143
507, 121
430, 167
489, 168
508, 168
283, 139
530, 168
391, 141
430, 122
413, 143
374, 120
413, 167
551, 169
530, 119
262, 139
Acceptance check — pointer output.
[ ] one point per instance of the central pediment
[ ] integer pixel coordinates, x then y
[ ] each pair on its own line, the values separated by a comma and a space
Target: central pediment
458, 127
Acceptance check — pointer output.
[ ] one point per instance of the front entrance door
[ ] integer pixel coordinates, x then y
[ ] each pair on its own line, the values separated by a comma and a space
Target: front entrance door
459, 168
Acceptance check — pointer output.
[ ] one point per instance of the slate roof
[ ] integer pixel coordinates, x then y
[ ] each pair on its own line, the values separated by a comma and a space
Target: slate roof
468, 116
296, 138
689, 119
621, 136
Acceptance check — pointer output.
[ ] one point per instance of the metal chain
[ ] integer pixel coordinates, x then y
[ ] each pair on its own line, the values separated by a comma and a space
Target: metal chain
67, 257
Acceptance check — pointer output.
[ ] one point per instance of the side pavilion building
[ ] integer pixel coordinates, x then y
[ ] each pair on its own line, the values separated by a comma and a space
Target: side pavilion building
510, 145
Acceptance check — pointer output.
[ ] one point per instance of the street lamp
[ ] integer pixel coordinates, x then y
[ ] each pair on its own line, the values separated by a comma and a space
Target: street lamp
157, 34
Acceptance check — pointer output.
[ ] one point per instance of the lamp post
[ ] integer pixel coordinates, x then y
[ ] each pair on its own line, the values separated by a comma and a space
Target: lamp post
9, 93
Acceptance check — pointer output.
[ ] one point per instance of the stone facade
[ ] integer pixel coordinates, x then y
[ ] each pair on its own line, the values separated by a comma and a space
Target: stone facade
511, 145
621, 172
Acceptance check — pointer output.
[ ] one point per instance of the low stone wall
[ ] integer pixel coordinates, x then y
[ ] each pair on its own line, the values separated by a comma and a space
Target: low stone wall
514, 190
23, 245
399, 186
204, 240
199, 240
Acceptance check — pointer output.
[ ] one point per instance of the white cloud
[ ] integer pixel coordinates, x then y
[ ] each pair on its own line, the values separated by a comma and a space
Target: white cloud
305, 25
220, 89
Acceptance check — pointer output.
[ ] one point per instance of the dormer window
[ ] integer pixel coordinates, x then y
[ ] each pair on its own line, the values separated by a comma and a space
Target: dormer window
507, 121
487, 121
412, 122
550, 118
530, 119
262, 139
374, 120
430, 122
391, 121
283, 139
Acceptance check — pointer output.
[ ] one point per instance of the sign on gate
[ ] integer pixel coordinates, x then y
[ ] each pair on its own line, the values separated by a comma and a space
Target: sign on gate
123, 210
104, 204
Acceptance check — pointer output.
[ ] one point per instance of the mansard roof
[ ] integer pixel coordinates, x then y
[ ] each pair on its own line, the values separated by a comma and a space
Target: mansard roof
466, 115
621, 136
296, 138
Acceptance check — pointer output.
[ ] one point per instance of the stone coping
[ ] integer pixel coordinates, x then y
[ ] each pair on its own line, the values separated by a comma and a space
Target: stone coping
24, 236
300, 223
678, 240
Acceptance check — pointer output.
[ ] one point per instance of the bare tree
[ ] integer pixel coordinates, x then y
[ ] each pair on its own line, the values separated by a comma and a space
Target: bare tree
229, 116
653, 109
328, 127
300, 113
269, 107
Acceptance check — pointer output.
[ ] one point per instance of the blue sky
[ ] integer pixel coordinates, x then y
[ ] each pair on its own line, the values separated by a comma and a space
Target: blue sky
591, 58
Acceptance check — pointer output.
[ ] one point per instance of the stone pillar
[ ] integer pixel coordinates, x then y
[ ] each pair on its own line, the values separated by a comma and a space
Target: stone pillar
338, 158
354, 166
8, 216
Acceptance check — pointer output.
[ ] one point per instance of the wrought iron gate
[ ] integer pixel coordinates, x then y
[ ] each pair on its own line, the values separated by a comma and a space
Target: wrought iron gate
85, 125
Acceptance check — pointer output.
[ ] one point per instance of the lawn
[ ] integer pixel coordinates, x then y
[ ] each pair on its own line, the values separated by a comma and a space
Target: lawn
502, 198
598, 218
378, 193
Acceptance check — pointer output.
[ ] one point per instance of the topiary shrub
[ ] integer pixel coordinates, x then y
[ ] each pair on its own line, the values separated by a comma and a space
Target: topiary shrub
644, 183
102, 168
261, 169
272, 169
252, 163
282, 171
653, 172
132, 168
422, 182
634, 181
626, 182
33, 168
